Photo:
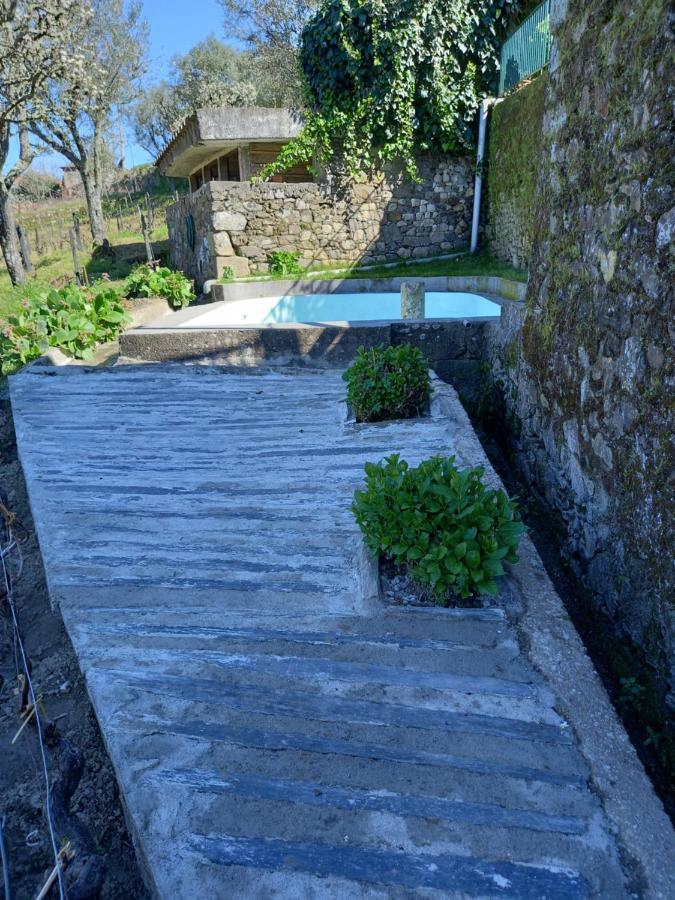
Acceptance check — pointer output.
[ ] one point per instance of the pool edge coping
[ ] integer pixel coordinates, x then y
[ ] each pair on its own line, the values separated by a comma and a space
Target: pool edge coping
503, 289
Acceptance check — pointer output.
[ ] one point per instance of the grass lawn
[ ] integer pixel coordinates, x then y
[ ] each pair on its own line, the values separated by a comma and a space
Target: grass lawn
56, 270
480, 263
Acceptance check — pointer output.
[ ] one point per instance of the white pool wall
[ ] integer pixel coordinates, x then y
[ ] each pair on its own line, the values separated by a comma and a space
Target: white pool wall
322, 308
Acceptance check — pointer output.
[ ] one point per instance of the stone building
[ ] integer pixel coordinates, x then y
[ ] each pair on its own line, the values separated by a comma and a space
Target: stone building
71, 183
228, 220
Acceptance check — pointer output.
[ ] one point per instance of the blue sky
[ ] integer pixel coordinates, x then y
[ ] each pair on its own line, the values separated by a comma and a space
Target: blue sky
175, 27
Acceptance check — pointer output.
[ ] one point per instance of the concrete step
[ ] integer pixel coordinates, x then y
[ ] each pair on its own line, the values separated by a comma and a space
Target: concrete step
345, 870
275, 732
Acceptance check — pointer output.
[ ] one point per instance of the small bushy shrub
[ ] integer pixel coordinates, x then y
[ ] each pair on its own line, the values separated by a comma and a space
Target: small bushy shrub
388, 383
71, 318
441, 522
283, 262
160, 282
227, 274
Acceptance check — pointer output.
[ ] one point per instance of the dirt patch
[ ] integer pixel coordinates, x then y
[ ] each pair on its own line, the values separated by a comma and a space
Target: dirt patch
95, 804
400, 589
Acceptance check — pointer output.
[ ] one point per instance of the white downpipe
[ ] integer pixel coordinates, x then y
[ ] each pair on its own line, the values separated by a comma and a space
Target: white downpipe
482, 125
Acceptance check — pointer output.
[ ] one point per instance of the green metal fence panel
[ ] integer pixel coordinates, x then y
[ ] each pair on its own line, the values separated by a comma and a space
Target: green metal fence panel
528, 48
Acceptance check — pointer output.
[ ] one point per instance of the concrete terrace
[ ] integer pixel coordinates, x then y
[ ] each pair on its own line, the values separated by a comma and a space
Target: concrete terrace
277, 731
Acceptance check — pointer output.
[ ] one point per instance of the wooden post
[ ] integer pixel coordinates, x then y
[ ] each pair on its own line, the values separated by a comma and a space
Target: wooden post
151, 212
24, 247
76, 226
148, 243
80, 274
119, 221
39, 247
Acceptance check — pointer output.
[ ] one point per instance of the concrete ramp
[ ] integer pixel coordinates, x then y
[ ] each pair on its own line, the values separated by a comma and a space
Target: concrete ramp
276, 730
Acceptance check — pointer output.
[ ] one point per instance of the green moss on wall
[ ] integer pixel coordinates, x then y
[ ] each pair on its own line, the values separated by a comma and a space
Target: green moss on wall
514, 148
597, 347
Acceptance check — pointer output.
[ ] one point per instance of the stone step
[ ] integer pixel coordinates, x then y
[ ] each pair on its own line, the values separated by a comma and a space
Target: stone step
255, 808
315, 678
419, 627
342, 866
470, 657
268, 701
368, 758
255, 787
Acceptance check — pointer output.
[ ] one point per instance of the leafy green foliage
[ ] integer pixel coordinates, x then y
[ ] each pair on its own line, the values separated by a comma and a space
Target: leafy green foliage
443, 523
283, 262
388, 383
227, 274
160, 282
72, 319
389, 80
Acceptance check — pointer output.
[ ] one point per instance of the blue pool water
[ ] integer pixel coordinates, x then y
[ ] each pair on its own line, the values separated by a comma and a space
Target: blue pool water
350, 308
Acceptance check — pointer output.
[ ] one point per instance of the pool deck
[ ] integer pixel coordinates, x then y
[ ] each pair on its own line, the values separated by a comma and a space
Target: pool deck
277, 731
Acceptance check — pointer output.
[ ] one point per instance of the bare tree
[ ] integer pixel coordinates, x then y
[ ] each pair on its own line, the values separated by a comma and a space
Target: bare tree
76, 122
37, 42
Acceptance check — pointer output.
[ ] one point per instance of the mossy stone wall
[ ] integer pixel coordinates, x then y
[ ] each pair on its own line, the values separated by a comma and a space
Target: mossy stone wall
589, 378
514, 149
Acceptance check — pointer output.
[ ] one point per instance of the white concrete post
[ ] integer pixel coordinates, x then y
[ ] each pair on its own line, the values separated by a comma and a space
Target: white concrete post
412, 300
482, 124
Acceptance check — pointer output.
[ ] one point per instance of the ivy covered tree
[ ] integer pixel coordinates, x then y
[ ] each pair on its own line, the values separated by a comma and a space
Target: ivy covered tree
388, 79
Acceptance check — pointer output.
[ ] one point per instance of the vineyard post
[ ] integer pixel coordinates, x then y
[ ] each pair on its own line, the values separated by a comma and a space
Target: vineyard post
24, 247
148, 243
80, 274
76, 226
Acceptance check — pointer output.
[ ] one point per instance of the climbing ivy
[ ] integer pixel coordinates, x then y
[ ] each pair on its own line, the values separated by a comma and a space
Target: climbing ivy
386, 80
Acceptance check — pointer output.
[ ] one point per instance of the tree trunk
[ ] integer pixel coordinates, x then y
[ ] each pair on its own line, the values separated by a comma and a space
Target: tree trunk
9, 240
92, 192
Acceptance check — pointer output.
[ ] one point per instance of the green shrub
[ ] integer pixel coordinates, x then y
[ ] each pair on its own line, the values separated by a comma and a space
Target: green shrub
160, 282
283, 262
227, 274
72, 319
388, 383
443, 523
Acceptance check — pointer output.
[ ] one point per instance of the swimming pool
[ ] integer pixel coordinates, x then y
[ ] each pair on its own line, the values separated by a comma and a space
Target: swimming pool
341, 308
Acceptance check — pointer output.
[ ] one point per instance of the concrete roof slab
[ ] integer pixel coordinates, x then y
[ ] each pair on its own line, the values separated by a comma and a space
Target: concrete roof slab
216, 128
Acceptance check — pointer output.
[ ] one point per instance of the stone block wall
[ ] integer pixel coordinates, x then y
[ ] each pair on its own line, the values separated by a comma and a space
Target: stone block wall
240, 223
587, 366
514, 148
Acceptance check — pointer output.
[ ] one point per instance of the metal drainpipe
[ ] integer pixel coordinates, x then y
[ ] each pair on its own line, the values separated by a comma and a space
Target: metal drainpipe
482, 126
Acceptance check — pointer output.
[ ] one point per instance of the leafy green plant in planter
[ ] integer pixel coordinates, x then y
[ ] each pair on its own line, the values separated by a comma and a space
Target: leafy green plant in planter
160, 282
283, 262
388, 383
71, 318
440, 522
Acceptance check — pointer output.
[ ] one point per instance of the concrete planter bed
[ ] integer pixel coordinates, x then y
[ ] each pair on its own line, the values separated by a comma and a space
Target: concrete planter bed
443, 340
381, 580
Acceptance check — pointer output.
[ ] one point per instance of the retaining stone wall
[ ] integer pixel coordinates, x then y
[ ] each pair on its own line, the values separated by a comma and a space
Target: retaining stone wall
238, 223
514, 148
588, 379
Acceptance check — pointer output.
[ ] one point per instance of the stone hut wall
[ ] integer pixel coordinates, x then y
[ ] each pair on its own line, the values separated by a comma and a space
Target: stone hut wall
514, 148
238, 224
587, 365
